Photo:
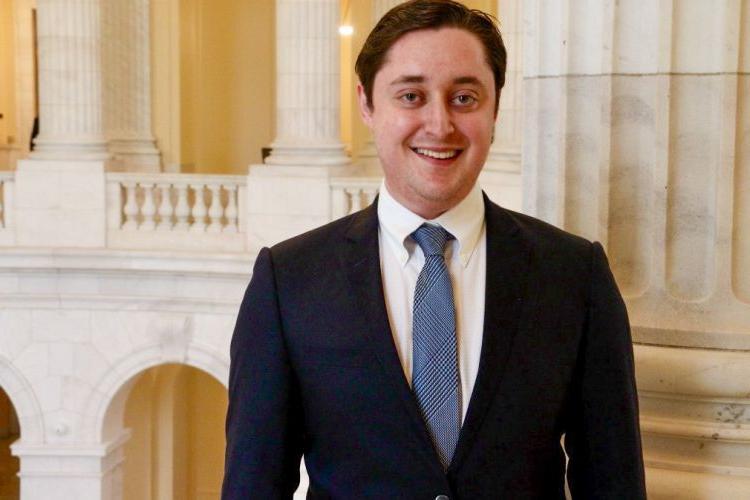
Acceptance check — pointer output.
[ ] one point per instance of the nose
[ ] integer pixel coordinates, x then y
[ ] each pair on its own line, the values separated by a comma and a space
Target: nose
438, 121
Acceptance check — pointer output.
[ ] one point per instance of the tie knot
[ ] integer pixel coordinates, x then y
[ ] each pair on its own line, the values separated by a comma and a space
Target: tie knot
431, 239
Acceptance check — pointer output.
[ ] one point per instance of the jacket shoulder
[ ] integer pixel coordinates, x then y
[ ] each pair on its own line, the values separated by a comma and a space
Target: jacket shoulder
542, 236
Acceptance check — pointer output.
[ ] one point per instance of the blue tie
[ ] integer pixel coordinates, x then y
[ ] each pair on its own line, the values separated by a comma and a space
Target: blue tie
435, 377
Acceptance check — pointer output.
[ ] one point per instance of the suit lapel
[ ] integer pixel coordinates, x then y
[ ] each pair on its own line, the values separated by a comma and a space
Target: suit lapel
361, 263
508, 258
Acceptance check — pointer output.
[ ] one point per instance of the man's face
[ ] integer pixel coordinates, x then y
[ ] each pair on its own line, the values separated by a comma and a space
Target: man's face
432, 117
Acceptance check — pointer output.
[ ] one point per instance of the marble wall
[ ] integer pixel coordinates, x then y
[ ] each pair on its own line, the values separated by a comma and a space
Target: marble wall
74, 333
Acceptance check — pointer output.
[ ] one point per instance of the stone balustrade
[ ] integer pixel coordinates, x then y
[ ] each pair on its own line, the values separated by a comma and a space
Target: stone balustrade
194, 212
350, 194
6, 215
175, 211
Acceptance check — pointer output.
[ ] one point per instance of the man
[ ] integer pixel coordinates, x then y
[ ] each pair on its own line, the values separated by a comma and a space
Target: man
433, 345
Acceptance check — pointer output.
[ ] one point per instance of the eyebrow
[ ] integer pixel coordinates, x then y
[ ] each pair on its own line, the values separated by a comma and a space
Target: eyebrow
461, 80
408, 79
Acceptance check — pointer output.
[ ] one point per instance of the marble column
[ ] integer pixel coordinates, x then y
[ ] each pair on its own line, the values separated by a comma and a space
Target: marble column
307, 84
368, 157
82, 471
70, 81
637, 134
505, 153
59, 191
501, 177
127, 85
291, 192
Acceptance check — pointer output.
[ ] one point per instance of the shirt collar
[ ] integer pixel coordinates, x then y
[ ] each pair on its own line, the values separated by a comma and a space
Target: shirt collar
464, 221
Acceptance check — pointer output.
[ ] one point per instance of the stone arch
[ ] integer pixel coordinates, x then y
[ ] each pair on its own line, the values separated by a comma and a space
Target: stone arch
24, 402
104, 411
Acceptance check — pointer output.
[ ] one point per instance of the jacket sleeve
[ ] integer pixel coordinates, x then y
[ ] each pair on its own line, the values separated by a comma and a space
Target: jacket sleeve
263, 427
602, 437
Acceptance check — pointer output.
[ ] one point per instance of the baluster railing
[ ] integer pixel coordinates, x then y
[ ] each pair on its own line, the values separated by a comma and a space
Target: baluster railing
182, 209
231, 212
199, 210
148, 209
369, 193
166, 209
216, 210
173, 204
130, 210
350, 194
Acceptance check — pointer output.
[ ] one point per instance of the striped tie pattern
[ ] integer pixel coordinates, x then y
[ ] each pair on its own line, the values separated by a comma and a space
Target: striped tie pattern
435, 377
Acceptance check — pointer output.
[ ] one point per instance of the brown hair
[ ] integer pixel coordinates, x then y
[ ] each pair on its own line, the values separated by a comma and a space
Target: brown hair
429, 14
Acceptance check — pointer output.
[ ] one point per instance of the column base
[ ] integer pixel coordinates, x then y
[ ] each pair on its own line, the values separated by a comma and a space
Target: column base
310, 155
134, 155
695, 427
84, 472
65, 150
503, 160
665, 484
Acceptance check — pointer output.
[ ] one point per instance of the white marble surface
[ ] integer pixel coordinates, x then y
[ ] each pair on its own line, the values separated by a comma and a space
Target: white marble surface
59, 203
126, 61
634, 119
70, 100
77, 325
505, 152
307, 78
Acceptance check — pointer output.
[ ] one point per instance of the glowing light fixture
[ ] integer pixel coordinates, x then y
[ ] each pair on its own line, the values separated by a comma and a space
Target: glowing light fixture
346, 30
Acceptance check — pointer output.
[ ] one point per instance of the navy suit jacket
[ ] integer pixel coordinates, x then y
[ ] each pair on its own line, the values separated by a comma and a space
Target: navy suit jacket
314, 372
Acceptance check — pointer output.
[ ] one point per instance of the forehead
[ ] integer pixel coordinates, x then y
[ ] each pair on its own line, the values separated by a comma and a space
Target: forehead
436, 52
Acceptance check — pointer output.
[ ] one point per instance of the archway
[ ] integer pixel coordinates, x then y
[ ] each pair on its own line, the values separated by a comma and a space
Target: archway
175, 414
9, 432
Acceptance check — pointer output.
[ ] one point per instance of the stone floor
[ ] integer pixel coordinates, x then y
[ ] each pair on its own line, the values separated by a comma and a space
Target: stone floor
9, 484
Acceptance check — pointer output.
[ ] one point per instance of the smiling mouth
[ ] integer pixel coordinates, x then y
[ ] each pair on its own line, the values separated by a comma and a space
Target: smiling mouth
447, 154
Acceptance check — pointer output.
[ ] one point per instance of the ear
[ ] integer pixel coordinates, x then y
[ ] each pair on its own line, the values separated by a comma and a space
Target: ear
364, 109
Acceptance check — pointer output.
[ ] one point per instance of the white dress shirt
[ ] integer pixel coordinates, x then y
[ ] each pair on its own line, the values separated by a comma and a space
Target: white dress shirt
401, 260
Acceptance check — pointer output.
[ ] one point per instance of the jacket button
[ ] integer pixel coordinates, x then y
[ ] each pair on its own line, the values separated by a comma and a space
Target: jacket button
442, 497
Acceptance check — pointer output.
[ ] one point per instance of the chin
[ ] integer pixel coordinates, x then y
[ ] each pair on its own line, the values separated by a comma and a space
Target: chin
439, 199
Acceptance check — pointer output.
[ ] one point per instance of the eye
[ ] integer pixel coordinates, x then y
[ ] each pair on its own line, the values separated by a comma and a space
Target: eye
409, 97
464, 100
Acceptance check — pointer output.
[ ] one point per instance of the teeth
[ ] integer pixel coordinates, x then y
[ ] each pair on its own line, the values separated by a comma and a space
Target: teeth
440, 155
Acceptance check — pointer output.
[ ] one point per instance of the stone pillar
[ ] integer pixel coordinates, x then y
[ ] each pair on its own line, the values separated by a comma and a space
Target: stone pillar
127, 79
307, 84
501, 177
70, 81
368, 157
637, 134
505, 153
83, 472
59, 194
291, 193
